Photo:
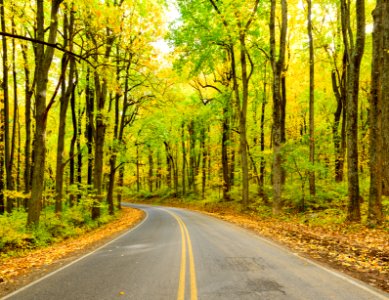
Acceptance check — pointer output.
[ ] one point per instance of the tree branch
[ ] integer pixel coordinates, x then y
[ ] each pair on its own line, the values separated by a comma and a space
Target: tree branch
55, 46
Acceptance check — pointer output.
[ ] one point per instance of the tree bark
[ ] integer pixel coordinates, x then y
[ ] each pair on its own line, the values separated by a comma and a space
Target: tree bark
44, 58
385, 98
27, 118
7, 139
67, 91
356, 53
277, 67
72, 160
183, 159
375, 215
151, 170
243, 121
224, 150
312, 183
204, 163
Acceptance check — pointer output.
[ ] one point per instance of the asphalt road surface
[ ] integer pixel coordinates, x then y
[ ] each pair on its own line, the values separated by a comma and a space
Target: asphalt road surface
179, 254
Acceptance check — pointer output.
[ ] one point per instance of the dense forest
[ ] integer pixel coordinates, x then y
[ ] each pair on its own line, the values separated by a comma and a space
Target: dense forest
277, 105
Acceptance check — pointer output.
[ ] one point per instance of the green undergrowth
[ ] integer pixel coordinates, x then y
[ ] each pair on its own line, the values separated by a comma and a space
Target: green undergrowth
327, 209
74, 221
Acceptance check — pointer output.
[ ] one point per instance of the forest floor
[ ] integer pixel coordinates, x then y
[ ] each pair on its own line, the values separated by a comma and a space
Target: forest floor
28, 266
353, 249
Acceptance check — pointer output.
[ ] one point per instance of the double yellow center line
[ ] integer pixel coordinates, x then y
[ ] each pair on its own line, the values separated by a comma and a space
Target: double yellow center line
185, 244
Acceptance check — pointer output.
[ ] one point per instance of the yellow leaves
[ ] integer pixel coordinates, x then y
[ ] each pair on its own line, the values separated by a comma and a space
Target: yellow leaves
122, 293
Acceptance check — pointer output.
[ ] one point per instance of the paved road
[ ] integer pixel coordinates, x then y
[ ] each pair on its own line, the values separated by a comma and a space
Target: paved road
179, 254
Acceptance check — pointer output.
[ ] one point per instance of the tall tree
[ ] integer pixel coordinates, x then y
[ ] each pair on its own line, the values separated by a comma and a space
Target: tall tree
67, 92
7, 138
355, 50
312, 182
278, 66
385, 98
44, 57
375, 206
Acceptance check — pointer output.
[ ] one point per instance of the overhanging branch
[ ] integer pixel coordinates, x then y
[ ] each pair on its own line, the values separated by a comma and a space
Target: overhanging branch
55, 46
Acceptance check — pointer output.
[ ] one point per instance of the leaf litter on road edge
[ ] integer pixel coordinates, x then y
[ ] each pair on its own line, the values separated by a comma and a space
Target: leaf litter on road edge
14, 268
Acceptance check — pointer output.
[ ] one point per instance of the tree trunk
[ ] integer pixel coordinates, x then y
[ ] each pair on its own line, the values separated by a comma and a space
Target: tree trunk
183, 159
137, 168
89, 127
385, 99
15, 106
44, 58
352, 112
79, 153
151, 170
2, 162
192, 157
277, 67
7, 139
27, 119
262, 141
72, 161
242, 122
375, 215
312, 183
67, 91
224, 150
101, 95
204, 164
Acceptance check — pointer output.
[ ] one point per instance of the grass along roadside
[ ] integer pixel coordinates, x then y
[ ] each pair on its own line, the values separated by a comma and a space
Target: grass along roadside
31, 264
353, 249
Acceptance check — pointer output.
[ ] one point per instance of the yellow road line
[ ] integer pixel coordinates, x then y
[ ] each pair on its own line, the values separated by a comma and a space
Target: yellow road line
193, 284
181, 284
185, 238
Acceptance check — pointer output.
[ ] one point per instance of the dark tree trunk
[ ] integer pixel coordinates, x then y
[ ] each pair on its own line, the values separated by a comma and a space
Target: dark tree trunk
114, 147
72, 160
312, 183
338, 87
224, 150
183, 159
79, 152
101, 95
89, 127
375, 214
204, 163
7, 138
356, 53
278, 102
2, 162
151, 170
385, 99
192, 157
67, 91
14, 143
262, 140
243, 121
44, 58
172, 169
27, 119
137, 169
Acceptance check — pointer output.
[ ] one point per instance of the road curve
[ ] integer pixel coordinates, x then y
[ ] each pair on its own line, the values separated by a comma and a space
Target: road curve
179, 254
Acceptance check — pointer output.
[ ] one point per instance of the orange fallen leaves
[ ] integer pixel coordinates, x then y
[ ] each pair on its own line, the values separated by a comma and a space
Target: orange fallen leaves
40, 258
359, 251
